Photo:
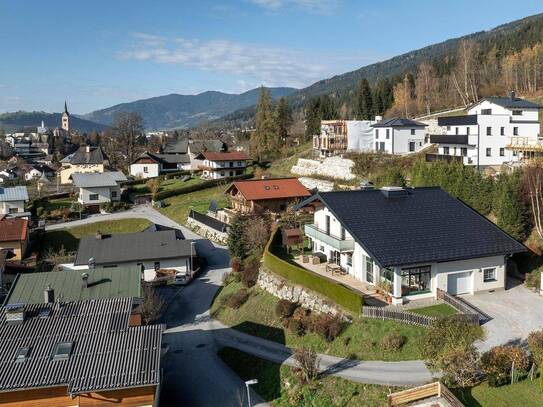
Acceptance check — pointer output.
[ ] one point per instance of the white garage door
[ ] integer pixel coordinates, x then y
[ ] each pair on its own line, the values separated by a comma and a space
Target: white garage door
459, 283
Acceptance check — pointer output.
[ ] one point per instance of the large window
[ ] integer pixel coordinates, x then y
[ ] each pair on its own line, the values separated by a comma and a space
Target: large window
369, 269
93, 197
416, 280
489, 275
446, 150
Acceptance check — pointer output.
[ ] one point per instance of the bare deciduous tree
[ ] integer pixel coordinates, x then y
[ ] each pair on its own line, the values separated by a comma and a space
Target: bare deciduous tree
307, 364
152, 305
533, 188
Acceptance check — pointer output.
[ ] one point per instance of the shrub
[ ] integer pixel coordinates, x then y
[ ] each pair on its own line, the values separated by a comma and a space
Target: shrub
285, 308
460, 367
249, 276
307, 364
226, 278
533, 279
296, 327
498, 362
327, 326
39, 211
301, 314
535, 344
235, 263
237, 299
392, 342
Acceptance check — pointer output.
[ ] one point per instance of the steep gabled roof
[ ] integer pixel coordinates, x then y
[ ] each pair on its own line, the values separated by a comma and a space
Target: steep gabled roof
271, 188
176, 147
196, 147
420, 226
95, 155
398, 122
97, 179
13, 229
18, 193
511, 102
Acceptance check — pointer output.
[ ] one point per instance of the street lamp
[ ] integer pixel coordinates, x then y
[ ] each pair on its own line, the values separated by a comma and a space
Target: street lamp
247, 384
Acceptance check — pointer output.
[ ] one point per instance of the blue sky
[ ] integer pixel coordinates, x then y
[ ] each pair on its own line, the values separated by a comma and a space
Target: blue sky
99, 53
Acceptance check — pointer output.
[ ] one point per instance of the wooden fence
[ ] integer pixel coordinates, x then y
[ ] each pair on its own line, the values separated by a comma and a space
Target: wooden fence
436, 389
397, 315
471, 314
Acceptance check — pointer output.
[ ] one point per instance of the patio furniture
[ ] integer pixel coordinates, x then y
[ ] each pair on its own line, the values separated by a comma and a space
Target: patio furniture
333, 268
305, 258
315, 260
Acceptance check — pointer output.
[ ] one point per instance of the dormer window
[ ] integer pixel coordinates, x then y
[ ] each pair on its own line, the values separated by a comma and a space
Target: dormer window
62, 350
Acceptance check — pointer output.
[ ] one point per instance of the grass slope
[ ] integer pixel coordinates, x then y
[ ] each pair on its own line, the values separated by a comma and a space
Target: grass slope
438, 310
522, 394
280, 386
69, 238
360, 340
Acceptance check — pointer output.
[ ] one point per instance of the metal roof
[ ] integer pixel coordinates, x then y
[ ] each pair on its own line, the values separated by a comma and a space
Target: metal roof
97, 179
513, 102
106, 353
423, 225
68, 285
176, 147
95, 155
130, 247
18, 193
398, 122
465, 120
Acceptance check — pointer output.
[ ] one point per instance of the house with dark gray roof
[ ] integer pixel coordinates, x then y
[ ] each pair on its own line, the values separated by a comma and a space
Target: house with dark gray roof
85, 159
96, 188
78, 353
495, 131
414, 240
159, 253
196, 147
398, 136
150, 165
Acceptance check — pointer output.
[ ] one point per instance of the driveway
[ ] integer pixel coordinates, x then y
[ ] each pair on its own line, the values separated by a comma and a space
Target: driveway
515, 312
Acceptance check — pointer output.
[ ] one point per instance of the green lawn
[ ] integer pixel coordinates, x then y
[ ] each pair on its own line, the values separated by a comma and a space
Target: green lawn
178, 207
60, 203
279, 385
179, 183
281, 167
522, 394
69, 238
438, 310
360, 340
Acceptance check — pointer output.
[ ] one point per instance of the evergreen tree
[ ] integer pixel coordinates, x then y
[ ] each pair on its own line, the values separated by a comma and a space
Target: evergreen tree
364, 101
264, 140
509, 206
283, 118
327, 108
236, 237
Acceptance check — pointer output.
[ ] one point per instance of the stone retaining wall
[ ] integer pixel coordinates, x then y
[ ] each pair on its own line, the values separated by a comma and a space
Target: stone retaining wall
321, 185
283, 289
333, 167
207, 232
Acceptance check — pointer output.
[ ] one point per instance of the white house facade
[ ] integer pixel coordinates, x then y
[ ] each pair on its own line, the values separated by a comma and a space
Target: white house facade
366, 234
495, 131
150, 165
12, 201
98, 188
216, 165
398, 136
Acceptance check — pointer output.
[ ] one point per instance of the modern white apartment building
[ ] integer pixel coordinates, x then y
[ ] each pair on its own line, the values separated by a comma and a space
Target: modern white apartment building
399, 136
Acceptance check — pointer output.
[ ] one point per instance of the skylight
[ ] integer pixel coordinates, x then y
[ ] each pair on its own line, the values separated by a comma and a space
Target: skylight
22, 354
62, 350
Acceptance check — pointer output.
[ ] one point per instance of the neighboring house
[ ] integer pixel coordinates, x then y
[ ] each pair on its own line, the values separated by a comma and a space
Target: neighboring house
339, 136
86, 159
398, 136
222, 164
7, 175
36, 171
495, 131
12, 201
149, 165
196, 147
265, 195
415, 240
153, 252
98, 188
73, 285
82, 353
14, 236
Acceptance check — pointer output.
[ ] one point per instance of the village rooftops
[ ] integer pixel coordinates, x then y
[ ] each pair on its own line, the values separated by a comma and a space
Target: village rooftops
76, 285
399, 227
18, 193
13, 229
131, 247
271, 188
86, 155
223, 156
86, 346
176, 147
97, 179
398, 122
197, 147
164, 158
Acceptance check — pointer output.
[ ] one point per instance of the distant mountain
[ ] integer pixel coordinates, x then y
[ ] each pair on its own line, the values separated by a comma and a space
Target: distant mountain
14, 121
183, 111
508, 37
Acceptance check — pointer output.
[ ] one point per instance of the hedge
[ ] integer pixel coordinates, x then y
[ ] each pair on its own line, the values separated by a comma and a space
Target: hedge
343, 296
159, 196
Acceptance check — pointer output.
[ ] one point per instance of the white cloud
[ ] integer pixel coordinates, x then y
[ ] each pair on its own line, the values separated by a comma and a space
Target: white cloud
315, 6
250, 64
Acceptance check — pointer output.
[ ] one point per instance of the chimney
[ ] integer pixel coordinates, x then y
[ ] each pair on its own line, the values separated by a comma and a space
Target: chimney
378, 118
394, 192
85, 280
87, 148
366, 185
49, 295
512, 95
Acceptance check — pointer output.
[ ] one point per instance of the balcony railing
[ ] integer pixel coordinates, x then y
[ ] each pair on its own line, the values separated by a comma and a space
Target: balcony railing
449, 139
343, 245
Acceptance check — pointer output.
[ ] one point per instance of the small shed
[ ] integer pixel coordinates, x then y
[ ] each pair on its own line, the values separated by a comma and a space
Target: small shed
292, 237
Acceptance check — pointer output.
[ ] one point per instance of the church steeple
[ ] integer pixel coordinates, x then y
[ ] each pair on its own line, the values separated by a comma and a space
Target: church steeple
66, 107
66, 118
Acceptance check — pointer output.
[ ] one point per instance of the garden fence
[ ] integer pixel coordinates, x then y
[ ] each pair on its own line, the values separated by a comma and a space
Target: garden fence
397, 315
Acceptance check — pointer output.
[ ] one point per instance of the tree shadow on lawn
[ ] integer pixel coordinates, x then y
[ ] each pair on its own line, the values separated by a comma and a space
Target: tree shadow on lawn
56, 239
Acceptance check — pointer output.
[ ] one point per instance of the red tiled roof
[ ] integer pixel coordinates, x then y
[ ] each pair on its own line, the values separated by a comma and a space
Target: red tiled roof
274, 188
225, 156
13, 229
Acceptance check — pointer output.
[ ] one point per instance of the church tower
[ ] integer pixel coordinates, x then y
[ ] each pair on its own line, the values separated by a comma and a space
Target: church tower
66, 118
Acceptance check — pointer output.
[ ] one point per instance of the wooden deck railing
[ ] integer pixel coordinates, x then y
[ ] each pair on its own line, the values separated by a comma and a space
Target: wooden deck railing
397, 315
436, 389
